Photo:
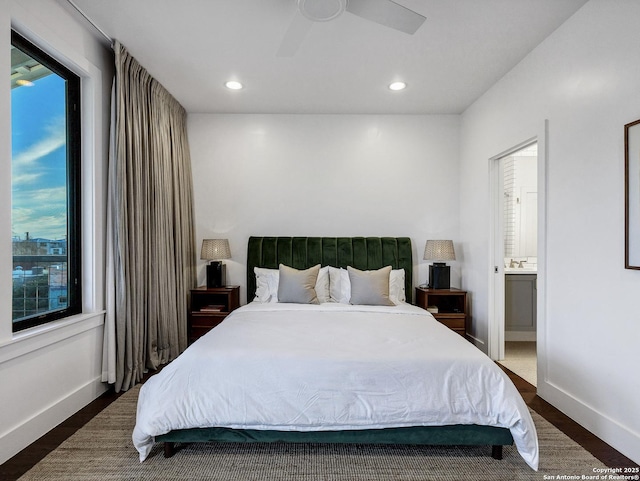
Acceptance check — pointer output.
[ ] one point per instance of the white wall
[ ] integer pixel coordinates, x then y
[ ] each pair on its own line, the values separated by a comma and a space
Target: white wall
324, 175
382, 175
47, 373
584, 79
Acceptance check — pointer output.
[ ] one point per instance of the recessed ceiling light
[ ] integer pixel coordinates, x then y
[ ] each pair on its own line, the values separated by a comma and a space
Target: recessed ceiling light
233, 85
397, 86
24, 83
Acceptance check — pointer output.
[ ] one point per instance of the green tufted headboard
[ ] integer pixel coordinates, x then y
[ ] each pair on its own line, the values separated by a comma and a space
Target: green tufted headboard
364, 253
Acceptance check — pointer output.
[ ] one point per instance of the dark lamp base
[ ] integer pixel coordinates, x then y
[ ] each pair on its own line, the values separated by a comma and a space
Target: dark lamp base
439, 276
215, 274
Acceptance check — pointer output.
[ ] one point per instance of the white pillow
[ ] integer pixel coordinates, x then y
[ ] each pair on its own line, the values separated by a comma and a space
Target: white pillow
267, 284
322, 285
396, 286
340, 286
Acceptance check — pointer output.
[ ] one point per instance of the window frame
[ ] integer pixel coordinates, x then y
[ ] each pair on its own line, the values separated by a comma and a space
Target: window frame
73, 185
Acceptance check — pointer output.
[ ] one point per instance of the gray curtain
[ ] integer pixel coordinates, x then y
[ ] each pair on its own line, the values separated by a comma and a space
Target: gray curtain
151, 246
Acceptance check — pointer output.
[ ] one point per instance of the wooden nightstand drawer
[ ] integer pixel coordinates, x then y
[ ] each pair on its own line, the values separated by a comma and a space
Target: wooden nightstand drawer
451, 321
199, 331
209, 307
207, 320
451, 305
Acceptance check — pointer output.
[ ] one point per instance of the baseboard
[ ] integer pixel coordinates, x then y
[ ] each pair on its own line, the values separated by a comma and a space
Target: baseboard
14, 441
610, 431
521, 336
479, 343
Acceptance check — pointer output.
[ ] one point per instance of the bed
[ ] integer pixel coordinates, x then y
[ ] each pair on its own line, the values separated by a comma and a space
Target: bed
333, 372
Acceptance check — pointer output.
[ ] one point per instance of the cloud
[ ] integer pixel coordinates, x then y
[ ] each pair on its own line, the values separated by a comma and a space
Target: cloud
21, 179
46, 198
41, 226
56, 137
39, 195
41, 212
38, 164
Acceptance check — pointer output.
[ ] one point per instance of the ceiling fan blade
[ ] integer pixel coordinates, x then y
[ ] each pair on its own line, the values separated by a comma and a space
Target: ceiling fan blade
294, 36
387, 13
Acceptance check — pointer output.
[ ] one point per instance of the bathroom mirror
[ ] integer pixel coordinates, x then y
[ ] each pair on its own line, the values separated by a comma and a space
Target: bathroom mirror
632, 194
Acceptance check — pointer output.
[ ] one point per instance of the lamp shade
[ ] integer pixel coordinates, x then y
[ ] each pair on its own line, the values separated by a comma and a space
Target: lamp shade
215, 249
439, 250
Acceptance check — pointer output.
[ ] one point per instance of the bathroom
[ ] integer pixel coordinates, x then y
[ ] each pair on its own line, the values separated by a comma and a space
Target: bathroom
520, 262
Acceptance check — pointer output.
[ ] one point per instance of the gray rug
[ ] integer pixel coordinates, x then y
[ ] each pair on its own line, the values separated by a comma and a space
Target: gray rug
102, 451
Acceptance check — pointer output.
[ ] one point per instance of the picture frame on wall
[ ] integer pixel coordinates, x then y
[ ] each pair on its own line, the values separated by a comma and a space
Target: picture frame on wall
632, 194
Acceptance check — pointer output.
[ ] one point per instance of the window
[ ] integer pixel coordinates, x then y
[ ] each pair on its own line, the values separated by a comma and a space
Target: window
45, 186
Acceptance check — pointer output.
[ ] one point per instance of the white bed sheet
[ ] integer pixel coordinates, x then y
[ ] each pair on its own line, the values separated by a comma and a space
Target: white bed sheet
331, 366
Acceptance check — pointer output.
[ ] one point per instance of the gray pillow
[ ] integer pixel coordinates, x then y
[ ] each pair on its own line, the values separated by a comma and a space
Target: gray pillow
370, 287
298, 286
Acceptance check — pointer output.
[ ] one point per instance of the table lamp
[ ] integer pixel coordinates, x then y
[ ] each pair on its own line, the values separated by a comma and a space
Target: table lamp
439, 273
215, 250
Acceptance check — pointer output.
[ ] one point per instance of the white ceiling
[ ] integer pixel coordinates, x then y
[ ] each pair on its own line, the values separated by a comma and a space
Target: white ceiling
343, 66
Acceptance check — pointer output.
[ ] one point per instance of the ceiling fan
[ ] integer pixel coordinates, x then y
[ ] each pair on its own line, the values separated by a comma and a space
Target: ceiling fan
384, 12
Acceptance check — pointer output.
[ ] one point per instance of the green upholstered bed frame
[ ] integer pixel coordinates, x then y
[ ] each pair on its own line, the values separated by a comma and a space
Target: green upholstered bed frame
454, 435
363, 253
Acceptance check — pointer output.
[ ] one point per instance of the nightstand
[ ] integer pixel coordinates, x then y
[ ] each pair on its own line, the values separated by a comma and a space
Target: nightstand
209, 307
451, 305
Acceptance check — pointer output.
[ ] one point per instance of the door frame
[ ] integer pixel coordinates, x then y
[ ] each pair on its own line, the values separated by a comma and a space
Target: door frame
496, 281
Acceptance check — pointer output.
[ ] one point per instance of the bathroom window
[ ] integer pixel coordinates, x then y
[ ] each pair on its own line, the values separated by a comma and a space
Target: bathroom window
521, 203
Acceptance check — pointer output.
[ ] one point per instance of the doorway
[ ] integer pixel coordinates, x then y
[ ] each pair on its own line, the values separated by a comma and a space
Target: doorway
517, 195
520, 197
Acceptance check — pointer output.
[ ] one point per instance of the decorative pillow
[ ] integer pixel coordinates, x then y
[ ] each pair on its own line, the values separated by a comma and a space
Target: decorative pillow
298, 286
339, 285
370, 287
267, 281
396, 286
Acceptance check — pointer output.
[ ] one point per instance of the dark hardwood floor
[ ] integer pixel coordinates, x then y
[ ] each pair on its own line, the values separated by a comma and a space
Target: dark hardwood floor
31, 455
598, 448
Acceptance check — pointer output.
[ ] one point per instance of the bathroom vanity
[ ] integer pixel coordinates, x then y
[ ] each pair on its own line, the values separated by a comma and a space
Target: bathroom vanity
520, 302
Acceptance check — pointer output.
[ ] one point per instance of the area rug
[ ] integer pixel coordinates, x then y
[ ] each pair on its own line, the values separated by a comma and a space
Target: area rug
102, 451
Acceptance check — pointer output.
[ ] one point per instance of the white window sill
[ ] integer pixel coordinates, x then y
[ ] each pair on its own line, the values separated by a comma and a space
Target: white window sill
37, 337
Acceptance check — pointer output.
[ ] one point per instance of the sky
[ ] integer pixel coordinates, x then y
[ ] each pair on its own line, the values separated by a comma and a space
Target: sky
39, 159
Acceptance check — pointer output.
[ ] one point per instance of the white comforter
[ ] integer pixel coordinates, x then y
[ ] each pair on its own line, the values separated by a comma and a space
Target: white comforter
323, 367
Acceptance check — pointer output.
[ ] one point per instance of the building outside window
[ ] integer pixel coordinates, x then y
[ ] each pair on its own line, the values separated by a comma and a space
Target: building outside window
45, 183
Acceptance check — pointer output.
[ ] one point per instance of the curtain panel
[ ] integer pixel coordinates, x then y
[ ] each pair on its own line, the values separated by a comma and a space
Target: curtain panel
150, 245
